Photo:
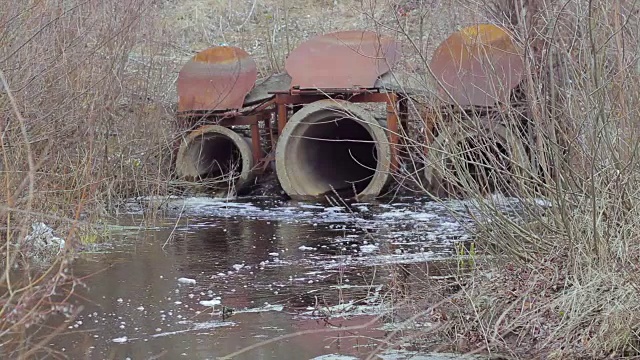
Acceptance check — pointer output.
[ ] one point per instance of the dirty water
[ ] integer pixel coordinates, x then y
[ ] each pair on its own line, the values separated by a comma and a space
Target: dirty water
214, 276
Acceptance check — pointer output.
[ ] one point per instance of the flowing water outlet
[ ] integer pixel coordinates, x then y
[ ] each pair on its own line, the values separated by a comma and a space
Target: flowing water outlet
328, 146
337, 147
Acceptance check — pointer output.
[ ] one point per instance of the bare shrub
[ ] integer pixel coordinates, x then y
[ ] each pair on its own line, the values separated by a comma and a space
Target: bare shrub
563, 279
82, 126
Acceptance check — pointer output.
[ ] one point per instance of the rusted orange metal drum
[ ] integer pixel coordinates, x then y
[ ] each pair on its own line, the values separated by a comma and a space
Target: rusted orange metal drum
478, 65
342, 60
216, 79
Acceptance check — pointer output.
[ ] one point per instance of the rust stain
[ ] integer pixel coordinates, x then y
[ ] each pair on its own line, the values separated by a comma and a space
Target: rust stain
216, 79
342, 60
478, 65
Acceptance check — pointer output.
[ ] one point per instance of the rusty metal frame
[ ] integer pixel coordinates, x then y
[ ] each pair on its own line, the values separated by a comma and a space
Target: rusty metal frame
357, 60
394, 102
280, 106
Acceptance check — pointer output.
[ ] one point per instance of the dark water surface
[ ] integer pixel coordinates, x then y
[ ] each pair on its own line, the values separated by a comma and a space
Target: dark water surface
281, 267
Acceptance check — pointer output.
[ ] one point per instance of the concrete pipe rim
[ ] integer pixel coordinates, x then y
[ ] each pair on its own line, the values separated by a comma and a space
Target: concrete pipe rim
438, 153
378, 134
241, 143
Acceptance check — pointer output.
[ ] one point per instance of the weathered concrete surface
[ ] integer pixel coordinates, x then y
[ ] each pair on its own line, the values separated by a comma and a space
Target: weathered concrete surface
333, 145
407, 83
217, 157
487, 147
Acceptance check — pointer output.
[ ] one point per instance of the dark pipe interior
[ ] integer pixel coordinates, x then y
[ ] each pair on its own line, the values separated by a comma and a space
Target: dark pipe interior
217, 158
339, 153
485, 161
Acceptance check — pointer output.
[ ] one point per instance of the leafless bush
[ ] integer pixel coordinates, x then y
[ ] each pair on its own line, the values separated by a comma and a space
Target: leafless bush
80, 129
91, 126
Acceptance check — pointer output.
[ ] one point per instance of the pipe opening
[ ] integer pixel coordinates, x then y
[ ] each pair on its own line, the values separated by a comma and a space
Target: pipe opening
334, 154
216, 158
333, 146
481, 164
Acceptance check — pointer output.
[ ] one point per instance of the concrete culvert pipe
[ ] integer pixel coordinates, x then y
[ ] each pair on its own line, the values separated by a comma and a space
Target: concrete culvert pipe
216, 157
481, 158
333, 146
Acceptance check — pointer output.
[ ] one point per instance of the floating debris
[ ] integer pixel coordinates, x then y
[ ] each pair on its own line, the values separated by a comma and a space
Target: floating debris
211, 303
187, 281
41, 246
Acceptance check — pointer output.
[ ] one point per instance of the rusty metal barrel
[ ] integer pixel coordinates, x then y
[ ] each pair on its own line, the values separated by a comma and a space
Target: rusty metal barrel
216, 79
477, 66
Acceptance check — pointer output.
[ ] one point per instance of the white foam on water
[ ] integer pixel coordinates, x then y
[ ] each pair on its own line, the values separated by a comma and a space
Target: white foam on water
392, 214
211, 303
265, 308
187, 281
348, 308
380, 260
311, 206
120, 340
369, 248
237, 267
196, 327
412, 355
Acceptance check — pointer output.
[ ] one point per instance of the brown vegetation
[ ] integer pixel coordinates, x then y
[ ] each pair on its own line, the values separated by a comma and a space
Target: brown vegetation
81, 128
86, 94
562, 282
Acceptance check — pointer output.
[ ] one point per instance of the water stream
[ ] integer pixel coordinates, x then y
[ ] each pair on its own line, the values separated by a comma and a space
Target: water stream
212, 277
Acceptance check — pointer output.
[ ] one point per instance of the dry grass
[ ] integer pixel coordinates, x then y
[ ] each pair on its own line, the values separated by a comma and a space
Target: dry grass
563, 281
85, 127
